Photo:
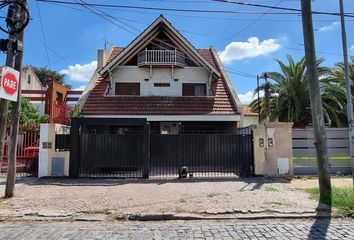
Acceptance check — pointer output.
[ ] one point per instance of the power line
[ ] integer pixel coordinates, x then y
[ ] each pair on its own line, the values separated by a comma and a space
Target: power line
255, 21
198, 16
291, 10
43, 35
278, 8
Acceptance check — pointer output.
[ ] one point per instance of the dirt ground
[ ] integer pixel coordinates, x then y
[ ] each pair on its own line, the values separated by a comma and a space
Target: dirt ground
302, 183
202, 196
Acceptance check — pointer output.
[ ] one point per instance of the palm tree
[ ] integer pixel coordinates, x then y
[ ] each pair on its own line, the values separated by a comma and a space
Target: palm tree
337, 78
290, 100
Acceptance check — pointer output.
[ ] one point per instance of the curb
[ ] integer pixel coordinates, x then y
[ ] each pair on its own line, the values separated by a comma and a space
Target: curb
164, 217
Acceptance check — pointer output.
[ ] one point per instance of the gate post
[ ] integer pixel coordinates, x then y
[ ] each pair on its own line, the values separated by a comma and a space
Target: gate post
74, 147
146, 151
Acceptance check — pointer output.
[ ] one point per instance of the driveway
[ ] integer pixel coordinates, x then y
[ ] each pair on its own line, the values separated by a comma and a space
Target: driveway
205, 196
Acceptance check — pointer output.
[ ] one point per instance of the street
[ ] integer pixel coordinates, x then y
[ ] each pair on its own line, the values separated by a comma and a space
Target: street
222, 229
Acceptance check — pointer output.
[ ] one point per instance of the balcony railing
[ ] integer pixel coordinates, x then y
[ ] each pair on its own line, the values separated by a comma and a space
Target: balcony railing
161, 57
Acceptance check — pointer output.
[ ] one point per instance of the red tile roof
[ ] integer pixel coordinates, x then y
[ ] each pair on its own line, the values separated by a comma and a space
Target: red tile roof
220, 104
248, 112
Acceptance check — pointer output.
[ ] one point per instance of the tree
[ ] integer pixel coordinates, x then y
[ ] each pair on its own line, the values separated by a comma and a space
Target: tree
45, 75
290, 100
29, 114
337, 78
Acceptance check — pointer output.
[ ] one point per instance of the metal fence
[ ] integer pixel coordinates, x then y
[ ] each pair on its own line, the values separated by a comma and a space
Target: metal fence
304, 151
27, 152
201, 155
127, 151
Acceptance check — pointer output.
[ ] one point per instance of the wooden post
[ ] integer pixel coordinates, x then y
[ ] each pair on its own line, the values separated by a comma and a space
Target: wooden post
316, 104
10, 57
11, 166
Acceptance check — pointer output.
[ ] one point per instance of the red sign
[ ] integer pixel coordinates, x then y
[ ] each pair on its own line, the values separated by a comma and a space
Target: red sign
9, 83
10, 80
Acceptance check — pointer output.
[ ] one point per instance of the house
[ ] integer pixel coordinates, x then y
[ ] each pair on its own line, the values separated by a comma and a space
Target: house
50, 98
30, 81
162, 78
248, 117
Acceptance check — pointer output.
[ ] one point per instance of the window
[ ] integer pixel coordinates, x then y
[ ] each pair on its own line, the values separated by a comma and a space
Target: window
29, 79
127, 89
161, 84
193, 89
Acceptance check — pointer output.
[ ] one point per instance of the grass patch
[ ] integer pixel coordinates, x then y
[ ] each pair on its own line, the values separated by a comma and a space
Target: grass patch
270, 189
210, 195
342, 199
104, 211
162, 210
180, 210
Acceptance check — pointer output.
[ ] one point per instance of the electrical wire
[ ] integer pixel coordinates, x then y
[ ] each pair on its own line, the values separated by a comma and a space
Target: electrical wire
43, 35
291, 10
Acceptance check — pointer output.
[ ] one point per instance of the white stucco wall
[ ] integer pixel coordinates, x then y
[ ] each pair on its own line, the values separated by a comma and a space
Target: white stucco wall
160, 75
249, 120
35, 84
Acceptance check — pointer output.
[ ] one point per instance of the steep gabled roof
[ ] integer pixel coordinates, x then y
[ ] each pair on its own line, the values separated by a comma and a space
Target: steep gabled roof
223, 103
147, 35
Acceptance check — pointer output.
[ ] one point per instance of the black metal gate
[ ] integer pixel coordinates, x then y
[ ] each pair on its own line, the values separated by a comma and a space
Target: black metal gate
202, 155
127, 150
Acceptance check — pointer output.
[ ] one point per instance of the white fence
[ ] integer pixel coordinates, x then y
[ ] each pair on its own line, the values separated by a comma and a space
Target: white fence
304, 151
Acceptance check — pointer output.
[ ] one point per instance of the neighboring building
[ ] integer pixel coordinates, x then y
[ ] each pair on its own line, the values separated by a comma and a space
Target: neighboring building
30, 81
50, 98
249, 118
161, 77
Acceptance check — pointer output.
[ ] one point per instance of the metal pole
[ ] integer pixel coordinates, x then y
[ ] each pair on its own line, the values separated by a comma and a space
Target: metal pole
267, 96
347, 87
259, 104
324, 176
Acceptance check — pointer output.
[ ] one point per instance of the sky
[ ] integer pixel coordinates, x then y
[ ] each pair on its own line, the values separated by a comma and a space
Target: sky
66, 38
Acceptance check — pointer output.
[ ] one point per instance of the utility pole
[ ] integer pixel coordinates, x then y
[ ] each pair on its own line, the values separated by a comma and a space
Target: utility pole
267, 95
347, 87
11, 166
324, 176
259, 104
12, 10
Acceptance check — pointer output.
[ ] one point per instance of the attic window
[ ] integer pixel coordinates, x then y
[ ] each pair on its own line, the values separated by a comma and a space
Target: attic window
161, 84
132, 89
194, 89
29, 79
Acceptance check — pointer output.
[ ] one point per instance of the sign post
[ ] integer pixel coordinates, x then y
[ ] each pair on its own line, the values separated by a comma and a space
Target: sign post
9, 84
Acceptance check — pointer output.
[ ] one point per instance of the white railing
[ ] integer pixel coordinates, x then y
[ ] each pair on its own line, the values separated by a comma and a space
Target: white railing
161, 57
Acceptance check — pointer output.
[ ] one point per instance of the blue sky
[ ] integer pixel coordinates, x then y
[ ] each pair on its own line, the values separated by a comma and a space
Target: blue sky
245, 44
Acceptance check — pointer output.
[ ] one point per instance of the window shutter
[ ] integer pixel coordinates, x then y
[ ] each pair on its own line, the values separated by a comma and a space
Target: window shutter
127, 89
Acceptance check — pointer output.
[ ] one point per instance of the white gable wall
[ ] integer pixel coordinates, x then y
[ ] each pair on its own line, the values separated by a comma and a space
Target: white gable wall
160, 75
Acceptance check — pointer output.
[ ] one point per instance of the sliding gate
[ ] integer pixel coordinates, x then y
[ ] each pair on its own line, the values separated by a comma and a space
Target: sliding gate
202, 155
124, 151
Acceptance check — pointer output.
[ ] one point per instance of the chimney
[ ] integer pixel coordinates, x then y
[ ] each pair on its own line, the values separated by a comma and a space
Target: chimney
101, 58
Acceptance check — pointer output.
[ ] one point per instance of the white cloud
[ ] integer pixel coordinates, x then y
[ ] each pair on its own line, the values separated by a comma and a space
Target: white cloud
80, 73
81, 88
328, 27
249, 49
352, 48
246, 98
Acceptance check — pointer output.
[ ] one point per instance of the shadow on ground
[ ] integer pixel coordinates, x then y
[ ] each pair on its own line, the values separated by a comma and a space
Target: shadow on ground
320, 227
63, 181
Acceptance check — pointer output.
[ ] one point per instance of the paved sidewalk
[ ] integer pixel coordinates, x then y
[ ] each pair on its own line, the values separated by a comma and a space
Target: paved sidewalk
322, 229
209, 197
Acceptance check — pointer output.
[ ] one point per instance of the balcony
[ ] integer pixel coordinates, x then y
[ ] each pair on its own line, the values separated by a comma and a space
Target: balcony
161, 58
